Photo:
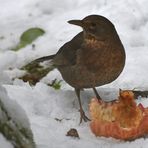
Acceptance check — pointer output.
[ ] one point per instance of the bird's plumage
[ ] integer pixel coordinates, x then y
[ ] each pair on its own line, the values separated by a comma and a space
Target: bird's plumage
94, 57
67, 54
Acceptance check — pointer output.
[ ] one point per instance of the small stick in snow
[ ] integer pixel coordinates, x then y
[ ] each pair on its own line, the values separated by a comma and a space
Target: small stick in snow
138, 93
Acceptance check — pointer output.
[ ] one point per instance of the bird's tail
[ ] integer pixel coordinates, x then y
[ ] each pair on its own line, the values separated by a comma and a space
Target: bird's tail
36, 71
37, 62
46, 58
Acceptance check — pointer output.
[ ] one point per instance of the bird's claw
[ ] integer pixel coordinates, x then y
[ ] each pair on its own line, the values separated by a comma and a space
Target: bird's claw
83, 116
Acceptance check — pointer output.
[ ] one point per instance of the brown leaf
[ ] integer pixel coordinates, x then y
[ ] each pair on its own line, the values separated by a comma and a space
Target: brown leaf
73, 133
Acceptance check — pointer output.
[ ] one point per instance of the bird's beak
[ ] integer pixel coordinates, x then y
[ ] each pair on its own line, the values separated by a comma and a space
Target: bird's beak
76, 22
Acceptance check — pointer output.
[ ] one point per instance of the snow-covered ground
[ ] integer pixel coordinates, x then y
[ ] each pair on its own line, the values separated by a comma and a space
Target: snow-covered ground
42, 103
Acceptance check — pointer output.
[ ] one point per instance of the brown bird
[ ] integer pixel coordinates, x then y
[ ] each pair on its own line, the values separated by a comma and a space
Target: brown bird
94, 57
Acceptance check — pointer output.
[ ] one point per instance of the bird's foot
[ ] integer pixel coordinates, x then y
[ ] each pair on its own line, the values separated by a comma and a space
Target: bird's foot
99, 99
83, 116
97, 95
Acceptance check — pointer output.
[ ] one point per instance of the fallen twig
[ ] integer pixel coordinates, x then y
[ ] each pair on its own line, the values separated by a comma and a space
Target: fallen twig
138, 93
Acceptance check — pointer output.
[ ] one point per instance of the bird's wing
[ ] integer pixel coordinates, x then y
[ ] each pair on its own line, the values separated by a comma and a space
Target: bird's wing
67, 53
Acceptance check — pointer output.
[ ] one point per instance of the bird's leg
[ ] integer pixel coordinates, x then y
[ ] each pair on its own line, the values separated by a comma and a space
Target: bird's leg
82, 113
96, 93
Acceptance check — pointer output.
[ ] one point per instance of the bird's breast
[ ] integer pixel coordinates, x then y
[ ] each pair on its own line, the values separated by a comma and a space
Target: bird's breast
92, 52
102, 56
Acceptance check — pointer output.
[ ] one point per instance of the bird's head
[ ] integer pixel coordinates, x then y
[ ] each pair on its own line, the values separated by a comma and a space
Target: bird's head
95, 26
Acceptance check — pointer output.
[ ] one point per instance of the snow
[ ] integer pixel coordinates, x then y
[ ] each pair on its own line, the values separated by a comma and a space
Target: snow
14, 110
4, 142
13, 117
42, 103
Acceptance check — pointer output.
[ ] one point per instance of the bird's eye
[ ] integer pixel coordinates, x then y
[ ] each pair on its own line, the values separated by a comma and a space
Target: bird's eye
93, 24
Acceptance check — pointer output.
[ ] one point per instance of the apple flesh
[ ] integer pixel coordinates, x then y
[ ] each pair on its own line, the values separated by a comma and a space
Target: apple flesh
121, 119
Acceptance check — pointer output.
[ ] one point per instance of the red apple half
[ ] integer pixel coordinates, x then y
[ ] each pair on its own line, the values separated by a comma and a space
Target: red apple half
120, 119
